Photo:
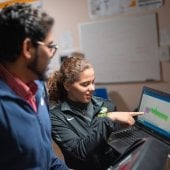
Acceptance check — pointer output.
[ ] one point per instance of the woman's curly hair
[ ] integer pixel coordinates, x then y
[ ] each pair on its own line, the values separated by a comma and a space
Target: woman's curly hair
52, 86
69, 72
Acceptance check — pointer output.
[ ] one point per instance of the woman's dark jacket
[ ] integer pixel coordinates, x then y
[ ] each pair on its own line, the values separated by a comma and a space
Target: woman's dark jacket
83, 137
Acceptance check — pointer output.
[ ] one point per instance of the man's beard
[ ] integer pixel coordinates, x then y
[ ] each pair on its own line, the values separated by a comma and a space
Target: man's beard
34, 67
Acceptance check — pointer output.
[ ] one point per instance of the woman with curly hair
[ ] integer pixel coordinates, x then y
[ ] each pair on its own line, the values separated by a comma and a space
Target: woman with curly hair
81, 122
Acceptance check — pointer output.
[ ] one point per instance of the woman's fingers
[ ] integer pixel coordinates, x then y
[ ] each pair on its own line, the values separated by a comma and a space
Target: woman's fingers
136, 113
131, 121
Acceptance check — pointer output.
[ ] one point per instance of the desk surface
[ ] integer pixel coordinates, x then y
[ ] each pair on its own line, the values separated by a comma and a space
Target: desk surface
167, 167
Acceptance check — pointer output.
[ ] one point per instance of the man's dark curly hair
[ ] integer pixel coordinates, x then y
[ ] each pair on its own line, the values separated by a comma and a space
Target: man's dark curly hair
18, 22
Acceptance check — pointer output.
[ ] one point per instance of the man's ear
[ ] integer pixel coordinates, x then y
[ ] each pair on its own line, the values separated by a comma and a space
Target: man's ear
27, 48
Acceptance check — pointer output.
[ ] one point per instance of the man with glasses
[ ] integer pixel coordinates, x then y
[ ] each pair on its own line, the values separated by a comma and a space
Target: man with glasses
26, 48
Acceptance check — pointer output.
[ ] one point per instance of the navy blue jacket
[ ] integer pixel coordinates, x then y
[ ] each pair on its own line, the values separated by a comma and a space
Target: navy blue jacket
25, 135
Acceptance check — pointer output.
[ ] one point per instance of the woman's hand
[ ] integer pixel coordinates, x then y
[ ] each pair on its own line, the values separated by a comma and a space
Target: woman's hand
124, 117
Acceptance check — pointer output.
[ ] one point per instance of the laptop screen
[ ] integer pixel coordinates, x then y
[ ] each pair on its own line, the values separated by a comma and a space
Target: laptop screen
156, 107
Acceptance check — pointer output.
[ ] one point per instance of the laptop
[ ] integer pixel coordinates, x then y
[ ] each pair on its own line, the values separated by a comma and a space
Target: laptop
155, 122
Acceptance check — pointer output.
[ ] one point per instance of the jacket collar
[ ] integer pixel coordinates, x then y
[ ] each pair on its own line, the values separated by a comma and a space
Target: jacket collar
95, 101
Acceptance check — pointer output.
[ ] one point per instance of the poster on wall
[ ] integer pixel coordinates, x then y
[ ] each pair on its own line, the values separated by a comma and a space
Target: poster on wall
36, 3
109, 7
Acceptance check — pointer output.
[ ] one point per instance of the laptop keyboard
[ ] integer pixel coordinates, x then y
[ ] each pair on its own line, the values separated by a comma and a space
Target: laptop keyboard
130, 135
123, 139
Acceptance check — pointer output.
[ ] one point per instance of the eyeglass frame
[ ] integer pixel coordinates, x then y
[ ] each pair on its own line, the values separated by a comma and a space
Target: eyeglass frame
50, 46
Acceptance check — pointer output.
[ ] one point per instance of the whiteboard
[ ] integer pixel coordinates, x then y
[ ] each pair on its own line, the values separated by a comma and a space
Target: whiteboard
122, 49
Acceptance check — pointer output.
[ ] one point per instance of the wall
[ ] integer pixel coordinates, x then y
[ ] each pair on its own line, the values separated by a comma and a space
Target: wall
69, 13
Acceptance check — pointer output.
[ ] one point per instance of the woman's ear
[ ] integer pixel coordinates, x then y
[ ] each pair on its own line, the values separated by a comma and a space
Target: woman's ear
66, 86
27, 48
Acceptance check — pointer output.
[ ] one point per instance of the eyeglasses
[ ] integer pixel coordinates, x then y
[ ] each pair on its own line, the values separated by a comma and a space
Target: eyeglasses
53, 47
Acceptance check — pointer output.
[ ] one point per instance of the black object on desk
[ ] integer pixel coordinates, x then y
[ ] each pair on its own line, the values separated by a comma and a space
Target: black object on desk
150, 155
